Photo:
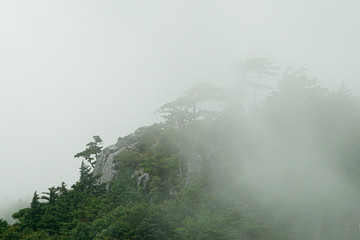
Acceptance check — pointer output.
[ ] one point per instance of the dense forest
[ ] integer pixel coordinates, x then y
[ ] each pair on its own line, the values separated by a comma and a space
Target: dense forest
224, 164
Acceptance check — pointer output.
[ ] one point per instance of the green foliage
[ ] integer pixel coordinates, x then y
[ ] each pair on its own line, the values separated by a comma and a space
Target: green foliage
81, 232
128, 159
3, 226
204, 225
122, 190
157, 189
38, 235
92, 151
11, 233
215, 200
31, 217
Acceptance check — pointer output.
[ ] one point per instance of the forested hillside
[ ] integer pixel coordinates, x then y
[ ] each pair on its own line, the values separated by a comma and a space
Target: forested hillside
285, 168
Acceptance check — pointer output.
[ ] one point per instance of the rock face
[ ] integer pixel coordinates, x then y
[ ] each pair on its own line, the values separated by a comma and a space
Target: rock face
141, 177
105, 164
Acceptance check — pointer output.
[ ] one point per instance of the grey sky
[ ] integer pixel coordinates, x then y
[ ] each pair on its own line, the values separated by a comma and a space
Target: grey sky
73, 69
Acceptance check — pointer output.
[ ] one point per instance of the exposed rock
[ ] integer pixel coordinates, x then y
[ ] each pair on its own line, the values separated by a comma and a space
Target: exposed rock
105, 164
142, 178
172, 191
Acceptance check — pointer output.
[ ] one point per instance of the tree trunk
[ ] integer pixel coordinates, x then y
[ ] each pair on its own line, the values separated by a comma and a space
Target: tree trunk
194, 113
181, 151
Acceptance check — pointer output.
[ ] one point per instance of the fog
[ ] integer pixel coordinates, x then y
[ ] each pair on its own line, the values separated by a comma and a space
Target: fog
73, 69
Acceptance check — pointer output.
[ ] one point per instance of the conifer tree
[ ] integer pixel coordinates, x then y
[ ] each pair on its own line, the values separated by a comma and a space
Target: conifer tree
92, 151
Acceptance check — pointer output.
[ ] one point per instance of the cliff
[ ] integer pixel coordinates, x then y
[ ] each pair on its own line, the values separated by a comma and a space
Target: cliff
105, 163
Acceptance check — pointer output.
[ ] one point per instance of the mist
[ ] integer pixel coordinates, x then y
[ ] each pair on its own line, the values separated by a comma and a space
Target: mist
73, 69
296, 160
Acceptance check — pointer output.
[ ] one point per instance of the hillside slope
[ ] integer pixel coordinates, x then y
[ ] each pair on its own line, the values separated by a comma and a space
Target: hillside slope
288, 169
